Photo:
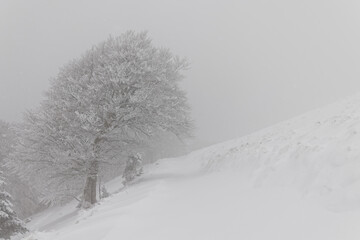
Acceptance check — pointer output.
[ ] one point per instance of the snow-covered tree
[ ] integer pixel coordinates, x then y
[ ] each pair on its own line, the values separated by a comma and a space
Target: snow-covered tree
25, 199
99, 106
7, 139
10, 224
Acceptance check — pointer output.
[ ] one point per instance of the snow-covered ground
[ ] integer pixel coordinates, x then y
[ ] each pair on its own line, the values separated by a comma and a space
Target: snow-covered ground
299, 180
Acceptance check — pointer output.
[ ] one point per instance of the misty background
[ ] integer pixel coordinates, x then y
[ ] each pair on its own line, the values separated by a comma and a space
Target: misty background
253, 63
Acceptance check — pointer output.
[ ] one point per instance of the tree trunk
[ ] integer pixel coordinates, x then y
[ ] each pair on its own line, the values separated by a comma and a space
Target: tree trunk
89, 195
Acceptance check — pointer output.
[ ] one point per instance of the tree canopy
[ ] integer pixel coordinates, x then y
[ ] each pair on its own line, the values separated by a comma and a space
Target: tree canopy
99, 106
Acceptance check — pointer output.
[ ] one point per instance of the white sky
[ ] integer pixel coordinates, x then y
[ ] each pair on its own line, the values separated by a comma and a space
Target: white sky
253, 62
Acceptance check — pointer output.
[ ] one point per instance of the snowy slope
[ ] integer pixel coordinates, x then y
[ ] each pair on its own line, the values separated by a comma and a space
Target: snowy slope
299, 180
318, 154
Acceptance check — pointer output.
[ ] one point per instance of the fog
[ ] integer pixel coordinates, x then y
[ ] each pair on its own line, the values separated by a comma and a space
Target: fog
253, 63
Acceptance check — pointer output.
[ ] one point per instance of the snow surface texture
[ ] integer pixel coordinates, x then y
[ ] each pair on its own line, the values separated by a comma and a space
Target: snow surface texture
317, 153
297, 180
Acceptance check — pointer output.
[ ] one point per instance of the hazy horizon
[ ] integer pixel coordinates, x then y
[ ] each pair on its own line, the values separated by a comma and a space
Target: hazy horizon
253, 63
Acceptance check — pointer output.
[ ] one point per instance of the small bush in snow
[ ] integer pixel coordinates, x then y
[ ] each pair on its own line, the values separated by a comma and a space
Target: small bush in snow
133, 168
104, 193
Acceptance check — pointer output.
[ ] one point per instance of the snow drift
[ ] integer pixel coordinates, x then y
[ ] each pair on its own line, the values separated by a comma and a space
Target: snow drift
317, 154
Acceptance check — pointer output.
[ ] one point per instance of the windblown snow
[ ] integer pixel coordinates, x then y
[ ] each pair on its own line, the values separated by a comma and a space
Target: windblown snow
298, 180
